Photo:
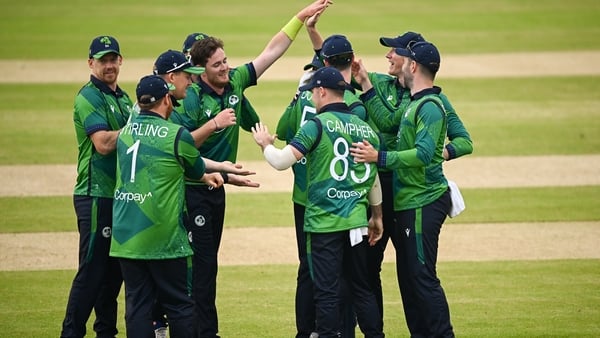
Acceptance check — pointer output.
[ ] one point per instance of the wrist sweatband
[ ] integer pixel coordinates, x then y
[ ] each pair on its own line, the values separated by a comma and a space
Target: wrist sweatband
292, 28
225, 177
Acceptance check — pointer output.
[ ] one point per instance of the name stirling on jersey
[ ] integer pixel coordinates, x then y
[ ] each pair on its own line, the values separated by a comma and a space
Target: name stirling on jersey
143, 129
131, 196
363, 131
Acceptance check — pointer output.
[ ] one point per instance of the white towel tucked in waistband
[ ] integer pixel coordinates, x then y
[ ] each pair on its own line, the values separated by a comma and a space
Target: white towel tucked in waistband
458, 203
356, 235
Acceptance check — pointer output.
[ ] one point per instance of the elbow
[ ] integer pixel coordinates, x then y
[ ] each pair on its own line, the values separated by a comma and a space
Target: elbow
469, 149
279, 166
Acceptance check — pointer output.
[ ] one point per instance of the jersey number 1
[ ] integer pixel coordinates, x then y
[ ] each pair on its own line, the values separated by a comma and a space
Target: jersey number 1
134, 148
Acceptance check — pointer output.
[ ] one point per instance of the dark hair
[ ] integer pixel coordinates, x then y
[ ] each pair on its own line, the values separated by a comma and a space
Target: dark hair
203, 49
148, 106
341, 61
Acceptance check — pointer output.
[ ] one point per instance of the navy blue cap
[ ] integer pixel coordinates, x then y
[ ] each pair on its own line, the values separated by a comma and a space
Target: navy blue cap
316, 63
174, 61
190, 39
424, 53
152, 88
103, 45
401, 41
327, 77
336, 45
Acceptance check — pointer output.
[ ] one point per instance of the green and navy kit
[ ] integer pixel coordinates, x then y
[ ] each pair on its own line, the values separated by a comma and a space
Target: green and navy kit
297, 113
96, 108
337, 186
154, 155
385, 102
417, 161
385, 114
460, 140
201, 104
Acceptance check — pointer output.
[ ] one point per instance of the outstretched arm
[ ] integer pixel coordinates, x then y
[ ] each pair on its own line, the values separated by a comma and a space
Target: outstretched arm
283, 39
311, 27
279, 159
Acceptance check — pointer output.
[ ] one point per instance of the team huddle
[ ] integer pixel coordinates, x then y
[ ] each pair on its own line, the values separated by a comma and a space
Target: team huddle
366, 149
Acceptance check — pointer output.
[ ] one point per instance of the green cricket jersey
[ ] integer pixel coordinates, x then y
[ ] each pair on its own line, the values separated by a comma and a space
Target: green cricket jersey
297, 113
96, 108
385, 103
460, 140
337, 186
154, 155
386, 113
201, 104
417, 161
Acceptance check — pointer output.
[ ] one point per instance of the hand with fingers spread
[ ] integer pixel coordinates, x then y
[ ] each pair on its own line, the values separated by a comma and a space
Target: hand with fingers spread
359, 73
261, 135
363, 152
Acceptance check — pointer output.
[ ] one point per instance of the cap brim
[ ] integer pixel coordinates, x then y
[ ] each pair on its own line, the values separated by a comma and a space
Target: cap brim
309, 66
306, 87
388, 42
99, 55
194, 70
403, 52
313, 65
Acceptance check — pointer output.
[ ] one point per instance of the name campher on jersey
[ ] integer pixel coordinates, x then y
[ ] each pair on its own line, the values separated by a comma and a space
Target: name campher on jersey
363, 131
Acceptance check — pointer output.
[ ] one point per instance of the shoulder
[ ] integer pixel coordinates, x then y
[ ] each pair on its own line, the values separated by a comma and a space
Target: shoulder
381, 79
89, 95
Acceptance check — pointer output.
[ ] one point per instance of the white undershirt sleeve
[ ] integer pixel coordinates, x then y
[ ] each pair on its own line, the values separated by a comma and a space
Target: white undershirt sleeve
375, 195
279, 159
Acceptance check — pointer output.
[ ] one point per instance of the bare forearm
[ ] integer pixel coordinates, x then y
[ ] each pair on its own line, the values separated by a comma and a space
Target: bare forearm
105, 141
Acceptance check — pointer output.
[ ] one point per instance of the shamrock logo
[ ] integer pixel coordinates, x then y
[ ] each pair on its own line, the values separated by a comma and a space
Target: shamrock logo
106, 40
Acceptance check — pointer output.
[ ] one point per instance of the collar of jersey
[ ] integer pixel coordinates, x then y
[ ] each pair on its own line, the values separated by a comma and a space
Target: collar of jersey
104, 88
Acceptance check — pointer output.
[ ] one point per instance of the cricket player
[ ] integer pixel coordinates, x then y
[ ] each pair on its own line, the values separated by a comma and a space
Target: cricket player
421, 194
218, 88
336, 51
386, 98
149, 238
101, 109
339, 191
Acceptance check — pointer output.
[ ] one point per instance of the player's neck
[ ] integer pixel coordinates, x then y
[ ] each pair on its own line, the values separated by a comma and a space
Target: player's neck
420, 84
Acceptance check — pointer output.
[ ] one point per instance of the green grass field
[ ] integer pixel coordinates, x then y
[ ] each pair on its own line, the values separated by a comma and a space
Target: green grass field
506, 117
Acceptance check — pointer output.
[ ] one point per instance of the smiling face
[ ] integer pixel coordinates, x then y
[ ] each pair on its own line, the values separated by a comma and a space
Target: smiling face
216, 71
181, 80
396, 61
106, 69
